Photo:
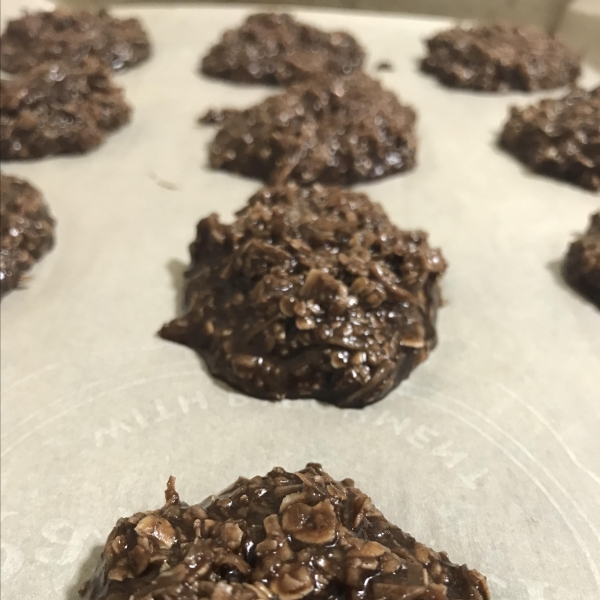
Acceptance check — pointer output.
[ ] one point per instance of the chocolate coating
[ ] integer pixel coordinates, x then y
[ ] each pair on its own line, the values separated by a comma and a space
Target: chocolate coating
500, 57
581, 267
39, 37
277, 49
310, 293
333, 131
59, 108
26, 230
559, 138
285, 536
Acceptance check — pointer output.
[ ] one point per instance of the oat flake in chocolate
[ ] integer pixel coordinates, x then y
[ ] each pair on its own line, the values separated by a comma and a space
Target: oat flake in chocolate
310, 293
500, 57
26, 230
330, 130
277, 49
581, 267
59, 108
49, 36
559, 138
285, 536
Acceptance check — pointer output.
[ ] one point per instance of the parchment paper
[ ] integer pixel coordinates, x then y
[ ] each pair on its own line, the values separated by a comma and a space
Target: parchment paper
490, 450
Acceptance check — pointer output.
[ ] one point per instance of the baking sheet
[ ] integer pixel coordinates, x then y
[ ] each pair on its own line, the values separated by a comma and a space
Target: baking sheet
489, 451
543, 13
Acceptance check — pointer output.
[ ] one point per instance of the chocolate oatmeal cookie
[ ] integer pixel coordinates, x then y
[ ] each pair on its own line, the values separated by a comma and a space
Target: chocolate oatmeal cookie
581, 267
559, 137
59, 108
277, 49
26, 230
500, 57
39, 37
310, 293
284, 536
333, 131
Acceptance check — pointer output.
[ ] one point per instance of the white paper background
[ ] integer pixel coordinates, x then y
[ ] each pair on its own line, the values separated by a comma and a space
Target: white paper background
490, 451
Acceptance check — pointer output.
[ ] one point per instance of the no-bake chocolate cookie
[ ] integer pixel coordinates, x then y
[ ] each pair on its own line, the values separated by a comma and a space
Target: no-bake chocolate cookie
310, 293
500, 57
26, 230
277, 49
59, 108
49, 36
285, 536
581, 267
559, 138
333, 131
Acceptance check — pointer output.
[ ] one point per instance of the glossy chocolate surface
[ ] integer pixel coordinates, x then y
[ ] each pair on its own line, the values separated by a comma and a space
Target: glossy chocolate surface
310, 293
285, 536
